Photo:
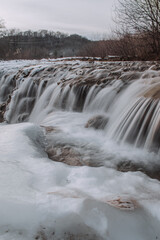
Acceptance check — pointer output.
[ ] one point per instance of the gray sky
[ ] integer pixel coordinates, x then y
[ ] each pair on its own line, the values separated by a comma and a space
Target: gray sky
91, 18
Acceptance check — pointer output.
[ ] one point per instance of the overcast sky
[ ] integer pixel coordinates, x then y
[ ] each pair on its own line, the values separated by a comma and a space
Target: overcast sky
86, 17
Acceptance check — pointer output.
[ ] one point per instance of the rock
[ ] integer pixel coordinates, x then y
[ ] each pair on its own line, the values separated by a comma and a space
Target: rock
1, 116
50, 129
2, 107
123, 203
130, 76
61, 153
2, 111
153, 92
97, 122
64, 154
128, 166
155, 67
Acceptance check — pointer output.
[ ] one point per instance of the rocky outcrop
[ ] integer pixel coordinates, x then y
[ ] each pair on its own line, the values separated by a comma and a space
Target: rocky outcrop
128, 166
97, 122
61, 153
153, 92
64, 154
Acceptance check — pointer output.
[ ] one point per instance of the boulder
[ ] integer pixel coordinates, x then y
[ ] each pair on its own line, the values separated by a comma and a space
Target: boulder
129, 166
97, 122
64, 154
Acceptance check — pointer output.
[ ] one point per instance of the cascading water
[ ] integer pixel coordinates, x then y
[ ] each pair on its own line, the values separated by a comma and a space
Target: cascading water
122, 98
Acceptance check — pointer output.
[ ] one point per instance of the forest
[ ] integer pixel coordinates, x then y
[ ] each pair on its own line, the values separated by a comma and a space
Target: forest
41, 44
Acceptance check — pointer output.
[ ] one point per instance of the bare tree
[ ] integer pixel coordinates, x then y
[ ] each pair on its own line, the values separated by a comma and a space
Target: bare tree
141, 17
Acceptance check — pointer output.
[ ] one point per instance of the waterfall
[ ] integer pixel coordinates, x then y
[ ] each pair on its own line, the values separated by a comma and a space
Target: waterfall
127, 94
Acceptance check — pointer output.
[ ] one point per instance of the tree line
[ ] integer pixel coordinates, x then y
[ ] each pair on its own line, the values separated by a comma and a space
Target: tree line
29, 44
137, 37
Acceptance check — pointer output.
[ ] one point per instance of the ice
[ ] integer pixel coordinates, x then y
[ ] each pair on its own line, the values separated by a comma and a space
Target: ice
40, 197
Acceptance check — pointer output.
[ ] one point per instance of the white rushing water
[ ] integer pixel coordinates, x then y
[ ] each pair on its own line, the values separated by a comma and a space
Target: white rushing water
104, 115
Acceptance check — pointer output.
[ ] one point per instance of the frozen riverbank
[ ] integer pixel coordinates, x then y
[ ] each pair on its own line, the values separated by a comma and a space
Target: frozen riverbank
42, 199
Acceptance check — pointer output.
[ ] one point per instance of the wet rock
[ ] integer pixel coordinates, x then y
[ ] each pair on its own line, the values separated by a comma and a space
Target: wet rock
155, 67
153, 92
50, 129
97, 122
2, 111
115, 74
130, 76
64, 154
1, 116
128, 166
3, 107
70, 155
61, 153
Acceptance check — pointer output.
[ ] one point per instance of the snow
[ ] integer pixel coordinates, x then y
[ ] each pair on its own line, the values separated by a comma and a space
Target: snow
41, 197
